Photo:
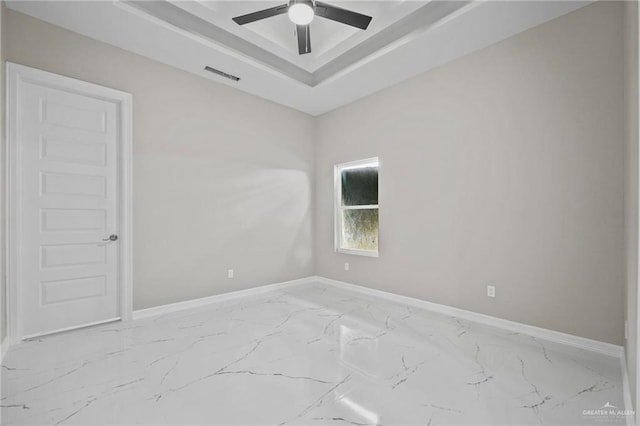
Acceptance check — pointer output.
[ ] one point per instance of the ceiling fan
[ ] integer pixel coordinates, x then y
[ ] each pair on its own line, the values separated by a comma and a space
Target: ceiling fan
302, 12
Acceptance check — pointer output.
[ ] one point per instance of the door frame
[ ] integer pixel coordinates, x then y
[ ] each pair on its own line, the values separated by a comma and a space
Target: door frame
636, 403
15, 75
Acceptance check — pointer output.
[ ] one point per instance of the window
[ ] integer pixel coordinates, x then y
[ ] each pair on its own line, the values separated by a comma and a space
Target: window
356, 189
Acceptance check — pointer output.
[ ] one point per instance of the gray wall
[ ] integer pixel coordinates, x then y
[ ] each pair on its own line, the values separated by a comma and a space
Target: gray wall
631, 190
504, 167
222, 179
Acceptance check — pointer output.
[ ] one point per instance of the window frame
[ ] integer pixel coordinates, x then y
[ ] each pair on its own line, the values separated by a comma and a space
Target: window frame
339, 208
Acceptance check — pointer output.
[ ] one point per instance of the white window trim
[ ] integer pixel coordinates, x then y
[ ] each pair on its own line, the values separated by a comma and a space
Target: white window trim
337, 207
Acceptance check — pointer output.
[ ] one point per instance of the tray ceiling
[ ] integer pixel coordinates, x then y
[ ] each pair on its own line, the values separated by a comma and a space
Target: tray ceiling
404, 39
277, 34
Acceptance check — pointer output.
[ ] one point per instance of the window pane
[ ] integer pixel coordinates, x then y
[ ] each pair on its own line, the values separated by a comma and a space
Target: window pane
360, 229
360, 186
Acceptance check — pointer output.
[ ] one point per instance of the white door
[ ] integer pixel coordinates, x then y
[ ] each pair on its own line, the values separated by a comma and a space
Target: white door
68, 261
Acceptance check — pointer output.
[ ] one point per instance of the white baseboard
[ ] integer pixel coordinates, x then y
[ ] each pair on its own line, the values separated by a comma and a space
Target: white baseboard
512, 326
542, 333
626, 389
204, 301
4, 348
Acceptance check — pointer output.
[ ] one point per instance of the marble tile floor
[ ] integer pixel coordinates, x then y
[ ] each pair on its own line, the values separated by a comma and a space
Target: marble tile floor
306, 355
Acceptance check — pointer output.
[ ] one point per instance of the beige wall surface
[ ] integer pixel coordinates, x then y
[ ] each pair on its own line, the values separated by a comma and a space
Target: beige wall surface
504, 167
221, 179
631, 190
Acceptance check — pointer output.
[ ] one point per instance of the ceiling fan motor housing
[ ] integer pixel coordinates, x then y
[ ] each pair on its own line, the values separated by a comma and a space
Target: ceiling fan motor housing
310, 3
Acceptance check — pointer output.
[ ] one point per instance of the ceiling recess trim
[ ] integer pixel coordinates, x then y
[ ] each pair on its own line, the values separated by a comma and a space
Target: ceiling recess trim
401, 31
471, 28
185, 21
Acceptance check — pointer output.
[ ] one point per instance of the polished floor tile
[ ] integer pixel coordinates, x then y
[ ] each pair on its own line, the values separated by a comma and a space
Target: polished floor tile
310, 354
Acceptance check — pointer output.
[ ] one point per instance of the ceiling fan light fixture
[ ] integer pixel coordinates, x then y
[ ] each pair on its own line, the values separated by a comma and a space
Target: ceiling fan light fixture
301, 12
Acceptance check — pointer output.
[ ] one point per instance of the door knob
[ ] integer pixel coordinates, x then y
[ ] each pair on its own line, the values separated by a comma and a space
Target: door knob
112, 237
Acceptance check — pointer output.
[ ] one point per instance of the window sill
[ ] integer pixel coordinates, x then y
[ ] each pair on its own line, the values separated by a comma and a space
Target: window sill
366, 253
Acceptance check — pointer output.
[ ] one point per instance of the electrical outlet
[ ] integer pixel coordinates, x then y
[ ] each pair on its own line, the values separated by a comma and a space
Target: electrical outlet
230, 273
491, 291
346, 266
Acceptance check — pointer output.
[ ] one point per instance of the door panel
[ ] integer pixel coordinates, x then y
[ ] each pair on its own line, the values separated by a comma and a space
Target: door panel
65, 220
70, 255
73, 289
69, 151
76, 152
74, 117
74, 184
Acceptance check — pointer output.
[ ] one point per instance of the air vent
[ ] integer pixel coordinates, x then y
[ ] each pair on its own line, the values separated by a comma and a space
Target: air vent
222, 73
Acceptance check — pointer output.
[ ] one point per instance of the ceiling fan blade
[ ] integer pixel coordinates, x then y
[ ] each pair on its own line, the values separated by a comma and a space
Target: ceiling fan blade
344, 16
261, 14
304, 39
